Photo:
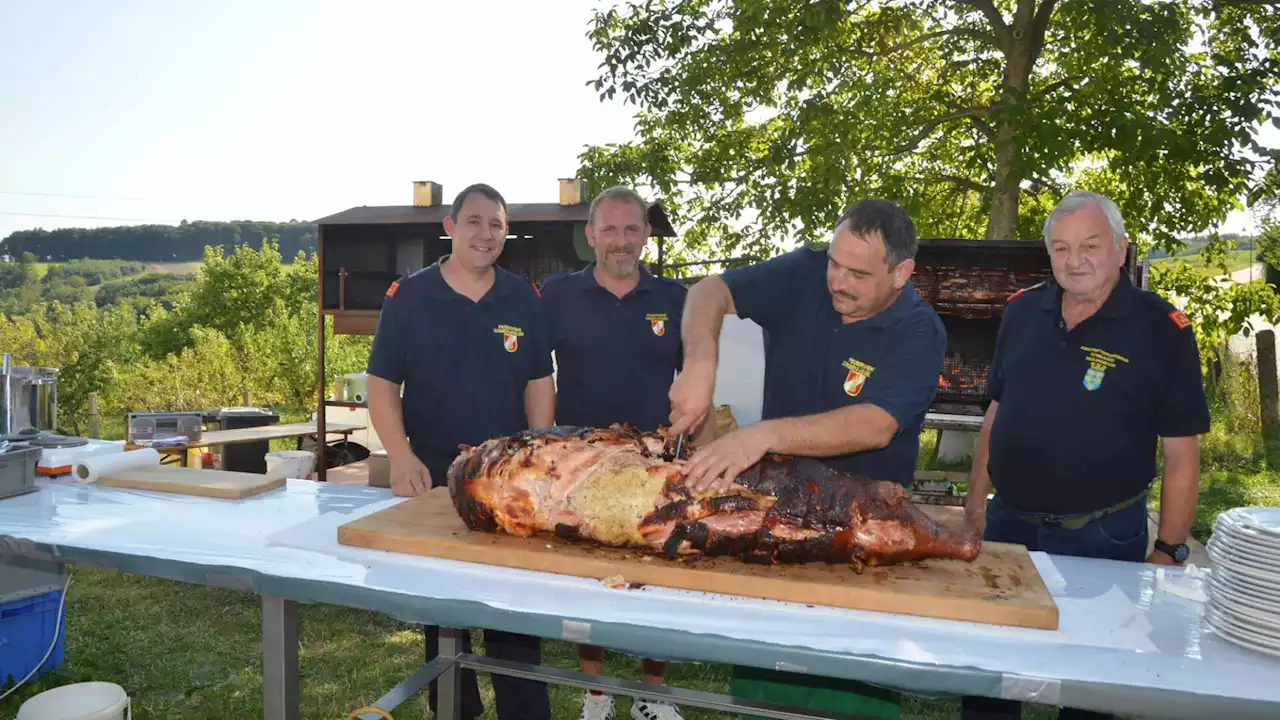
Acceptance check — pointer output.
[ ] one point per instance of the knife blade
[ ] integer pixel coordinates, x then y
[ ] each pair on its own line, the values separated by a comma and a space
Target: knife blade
680, 443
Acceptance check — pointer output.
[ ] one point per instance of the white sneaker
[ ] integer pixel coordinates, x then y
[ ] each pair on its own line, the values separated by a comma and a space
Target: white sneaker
597, 707
645, 709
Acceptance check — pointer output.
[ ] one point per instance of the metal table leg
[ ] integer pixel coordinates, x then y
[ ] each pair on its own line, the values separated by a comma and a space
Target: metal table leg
281, 687
449, 684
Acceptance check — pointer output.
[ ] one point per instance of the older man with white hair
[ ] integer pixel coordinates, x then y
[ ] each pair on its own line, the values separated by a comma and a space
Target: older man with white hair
1089, 371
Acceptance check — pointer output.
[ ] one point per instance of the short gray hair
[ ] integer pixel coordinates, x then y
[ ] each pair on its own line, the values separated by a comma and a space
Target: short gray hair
622, 193
1080, 199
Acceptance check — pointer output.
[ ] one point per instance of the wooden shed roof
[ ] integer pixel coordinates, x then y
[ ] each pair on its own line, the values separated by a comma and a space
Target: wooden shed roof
519, 213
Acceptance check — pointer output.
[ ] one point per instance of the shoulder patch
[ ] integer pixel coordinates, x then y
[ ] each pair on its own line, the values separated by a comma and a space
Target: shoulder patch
391, 291
1180, 319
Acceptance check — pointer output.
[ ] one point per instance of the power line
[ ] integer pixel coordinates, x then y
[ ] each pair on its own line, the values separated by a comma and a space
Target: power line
82, 217
62, 195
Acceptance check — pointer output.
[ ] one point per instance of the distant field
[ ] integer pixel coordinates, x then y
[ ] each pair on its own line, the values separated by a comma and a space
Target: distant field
187, 268
1236, 260
190, 268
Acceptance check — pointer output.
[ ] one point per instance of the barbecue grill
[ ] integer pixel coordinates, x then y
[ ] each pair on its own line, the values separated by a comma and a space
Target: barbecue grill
968, 283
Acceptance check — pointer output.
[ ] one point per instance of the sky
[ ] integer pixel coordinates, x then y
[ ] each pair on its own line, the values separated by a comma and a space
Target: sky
279, 110
125, 112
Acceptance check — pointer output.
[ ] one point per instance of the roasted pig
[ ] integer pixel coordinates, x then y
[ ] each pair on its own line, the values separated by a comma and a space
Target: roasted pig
621, 488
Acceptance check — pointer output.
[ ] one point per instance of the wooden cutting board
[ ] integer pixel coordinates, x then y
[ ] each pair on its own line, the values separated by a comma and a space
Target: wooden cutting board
1000, 587
193, 481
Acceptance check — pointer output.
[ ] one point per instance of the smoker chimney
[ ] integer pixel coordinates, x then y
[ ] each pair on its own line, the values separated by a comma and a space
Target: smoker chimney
572, 191
427, 193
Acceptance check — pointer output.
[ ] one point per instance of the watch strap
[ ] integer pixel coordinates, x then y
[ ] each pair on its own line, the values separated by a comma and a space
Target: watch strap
1178, 552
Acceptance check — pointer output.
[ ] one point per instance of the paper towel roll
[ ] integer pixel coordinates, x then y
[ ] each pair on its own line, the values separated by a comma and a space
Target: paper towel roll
90, 469
360, 397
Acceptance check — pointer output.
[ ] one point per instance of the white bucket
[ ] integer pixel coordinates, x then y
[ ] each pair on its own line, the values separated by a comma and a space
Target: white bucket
79, 701
296, 464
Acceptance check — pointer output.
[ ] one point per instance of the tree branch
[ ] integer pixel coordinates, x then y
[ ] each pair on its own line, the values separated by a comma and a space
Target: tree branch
1056, 86
962, 182
998, 25
983, 126
1039, 26
913, 143
976, 34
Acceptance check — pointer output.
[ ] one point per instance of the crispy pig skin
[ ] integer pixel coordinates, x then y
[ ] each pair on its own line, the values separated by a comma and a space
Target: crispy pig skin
620, 487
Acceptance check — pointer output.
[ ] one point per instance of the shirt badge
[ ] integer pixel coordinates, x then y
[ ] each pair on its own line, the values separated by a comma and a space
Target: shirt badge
657, 323
1093, 378
510, 337
857, 377
1099, 362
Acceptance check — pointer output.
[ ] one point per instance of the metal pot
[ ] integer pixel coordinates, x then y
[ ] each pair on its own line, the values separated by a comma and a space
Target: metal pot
30, 398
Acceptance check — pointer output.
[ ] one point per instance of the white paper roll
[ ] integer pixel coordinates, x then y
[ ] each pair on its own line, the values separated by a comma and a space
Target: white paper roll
360, 397
90, 469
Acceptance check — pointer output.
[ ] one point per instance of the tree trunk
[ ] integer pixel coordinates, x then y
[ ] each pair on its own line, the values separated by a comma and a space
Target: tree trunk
1006, 186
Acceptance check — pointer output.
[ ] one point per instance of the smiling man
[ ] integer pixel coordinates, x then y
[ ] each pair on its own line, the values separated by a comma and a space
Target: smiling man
1089, 372
615, 331
852, 360
468, 341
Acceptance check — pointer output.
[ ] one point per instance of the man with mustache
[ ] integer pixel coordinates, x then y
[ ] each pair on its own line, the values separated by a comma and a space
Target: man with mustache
615, 331
852, 360
468, 341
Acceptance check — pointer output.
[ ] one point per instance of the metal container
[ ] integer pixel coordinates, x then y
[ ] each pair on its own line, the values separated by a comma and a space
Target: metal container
18, 469
29, 398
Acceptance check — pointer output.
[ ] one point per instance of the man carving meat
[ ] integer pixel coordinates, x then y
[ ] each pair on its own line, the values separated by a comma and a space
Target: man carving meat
852, 360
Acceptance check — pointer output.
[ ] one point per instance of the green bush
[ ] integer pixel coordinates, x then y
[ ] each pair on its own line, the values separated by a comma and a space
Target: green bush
1234, 440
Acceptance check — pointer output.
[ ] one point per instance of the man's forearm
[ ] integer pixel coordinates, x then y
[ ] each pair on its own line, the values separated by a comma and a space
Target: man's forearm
851, 429
540, 402
979, 477
387, 415
704, 310
1179, 488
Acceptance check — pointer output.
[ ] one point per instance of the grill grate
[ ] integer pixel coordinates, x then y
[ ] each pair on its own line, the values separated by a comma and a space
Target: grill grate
970, 348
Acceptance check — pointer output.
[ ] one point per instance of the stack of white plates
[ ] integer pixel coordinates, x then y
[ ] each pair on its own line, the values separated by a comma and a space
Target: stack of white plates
1244, 587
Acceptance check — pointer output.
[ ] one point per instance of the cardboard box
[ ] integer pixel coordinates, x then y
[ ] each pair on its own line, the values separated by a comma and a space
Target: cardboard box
379, 469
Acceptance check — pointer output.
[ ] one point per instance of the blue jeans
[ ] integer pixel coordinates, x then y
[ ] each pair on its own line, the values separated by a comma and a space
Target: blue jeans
1121, 535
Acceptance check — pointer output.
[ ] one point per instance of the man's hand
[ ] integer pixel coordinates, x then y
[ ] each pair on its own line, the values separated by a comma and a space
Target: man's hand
1158, 558
691, 396
718, 465
409, 477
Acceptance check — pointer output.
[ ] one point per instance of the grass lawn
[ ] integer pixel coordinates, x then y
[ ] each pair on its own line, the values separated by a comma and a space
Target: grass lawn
187, 651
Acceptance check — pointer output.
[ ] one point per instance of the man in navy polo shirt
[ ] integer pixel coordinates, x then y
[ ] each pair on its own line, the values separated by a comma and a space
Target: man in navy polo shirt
852, 360
615, 331
1089, 371
468, 341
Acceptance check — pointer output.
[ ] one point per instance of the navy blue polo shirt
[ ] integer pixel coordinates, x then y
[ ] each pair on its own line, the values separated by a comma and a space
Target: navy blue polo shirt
464, 364
815, 363
1080, 411
615, 357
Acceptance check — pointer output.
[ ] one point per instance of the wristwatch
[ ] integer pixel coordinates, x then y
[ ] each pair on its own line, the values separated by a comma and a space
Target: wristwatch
1179, 553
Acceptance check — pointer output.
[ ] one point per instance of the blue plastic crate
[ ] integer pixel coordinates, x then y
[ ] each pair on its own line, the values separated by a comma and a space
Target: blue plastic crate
26, 629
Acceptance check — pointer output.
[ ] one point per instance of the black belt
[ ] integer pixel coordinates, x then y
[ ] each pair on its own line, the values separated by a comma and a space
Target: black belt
1079, 520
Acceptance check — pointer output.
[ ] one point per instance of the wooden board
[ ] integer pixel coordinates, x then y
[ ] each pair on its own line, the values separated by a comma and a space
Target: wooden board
1001, 587
193, 481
